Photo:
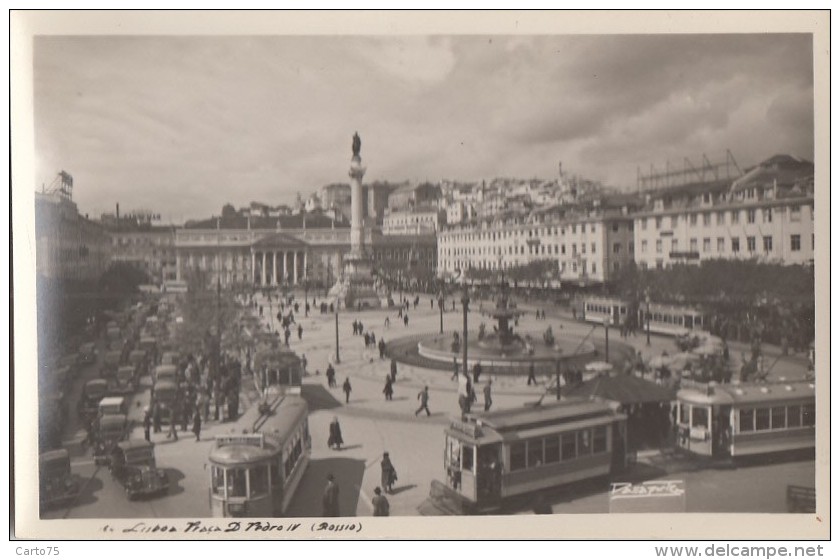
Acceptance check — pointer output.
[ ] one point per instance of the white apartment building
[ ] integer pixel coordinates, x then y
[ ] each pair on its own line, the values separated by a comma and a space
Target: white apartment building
588, 244
402, 222
766, 215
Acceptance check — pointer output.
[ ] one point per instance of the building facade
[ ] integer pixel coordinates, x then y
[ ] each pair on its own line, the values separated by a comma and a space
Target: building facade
766, 215
416, 221
68, 245
148, 248
588, 243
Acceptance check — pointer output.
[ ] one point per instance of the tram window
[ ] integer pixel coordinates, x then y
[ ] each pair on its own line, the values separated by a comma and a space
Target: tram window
808, 413
568, 446
746, 419
794, 416
236, 486
762, 418
599, 439
552, 449
535, 452
684, 413
777, 417
584, 442
517, 456
467, 457
699, 417
259, 480
218, 480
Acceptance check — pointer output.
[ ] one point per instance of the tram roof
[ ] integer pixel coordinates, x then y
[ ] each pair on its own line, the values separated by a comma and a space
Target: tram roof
749, 393
534, 416
240, 454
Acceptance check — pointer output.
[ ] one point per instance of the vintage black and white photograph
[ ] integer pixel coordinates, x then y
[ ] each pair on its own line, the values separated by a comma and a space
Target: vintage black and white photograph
329, 277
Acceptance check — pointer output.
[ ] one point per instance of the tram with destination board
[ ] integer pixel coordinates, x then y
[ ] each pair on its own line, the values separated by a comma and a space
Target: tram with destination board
256, 473
737, 420
491, 457
671, 320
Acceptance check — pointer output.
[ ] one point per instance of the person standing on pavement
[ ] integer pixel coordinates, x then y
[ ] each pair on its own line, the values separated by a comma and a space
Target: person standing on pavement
147, 424
389, 389
405, 319
455, 368
531, 377
196, 427
347, 388
330, 500
381, 349
423, 397
488, 397
335, 439
476, 372
300, 332
393, 370
330, 376
389, 473
156, 419
381, 507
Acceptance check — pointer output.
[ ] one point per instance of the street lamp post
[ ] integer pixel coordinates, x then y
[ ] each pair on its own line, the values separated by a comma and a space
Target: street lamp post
441, 303
606, 339
647, 316
465, 300
337, 356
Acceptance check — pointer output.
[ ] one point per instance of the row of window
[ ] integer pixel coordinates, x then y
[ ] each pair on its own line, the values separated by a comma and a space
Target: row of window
535, 452
538, 232
735, 244
776, 418
671, 222
541, 249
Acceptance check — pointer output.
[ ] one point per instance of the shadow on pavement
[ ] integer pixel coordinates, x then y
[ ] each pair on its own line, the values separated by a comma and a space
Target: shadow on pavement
175, 477
318, 398
402, 488
308, 497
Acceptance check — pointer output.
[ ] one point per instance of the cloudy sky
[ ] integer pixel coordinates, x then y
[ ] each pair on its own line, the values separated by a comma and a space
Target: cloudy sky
182, 125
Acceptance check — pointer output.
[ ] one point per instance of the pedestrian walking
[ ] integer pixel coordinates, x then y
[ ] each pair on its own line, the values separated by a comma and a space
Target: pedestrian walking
393, 370
381, 349
389, 473
405, 319
335, 440
300, 332
387, 322
531, 375
287, 334
330, 376
455, 368
196, 428
488, 397
381, 507
303, 363
423, 397
173, 431
330, 499
347, 388
147, 424
476, 372
156, 420
389, 389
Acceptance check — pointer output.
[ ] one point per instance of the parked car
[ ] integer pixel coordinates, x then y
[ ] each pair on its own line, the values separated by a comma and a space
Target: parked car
87, 353
110, 430
169, 359
58, 485
110, 363
166, 373
93, 392
165, 397
132, 464
138, 359
124, 382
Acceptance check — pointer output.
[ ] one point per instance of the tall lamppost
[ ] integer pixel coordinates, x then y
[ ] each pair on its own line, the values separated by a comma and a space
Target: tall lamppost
337, 356
606, 339
465, 301
647, 315
441, 303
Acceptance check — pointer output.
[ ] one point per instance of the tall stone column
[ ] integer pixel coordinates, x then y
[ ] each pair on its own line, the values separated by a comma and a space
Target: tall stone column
294, 262
178, 266
357, 215
253, 267
285, 266
263, 279
274, 268
305, 275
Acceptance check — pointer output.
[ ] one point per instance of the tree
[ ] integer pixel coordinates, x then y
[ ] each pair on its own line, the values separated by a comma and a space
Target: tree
228, 211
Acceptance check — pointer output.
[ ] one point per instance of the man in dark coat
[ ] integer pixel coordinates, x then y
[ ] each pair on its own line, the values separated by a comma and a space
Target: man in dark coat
347, 388
330, 500
335, 439
147, 425
381, 349
389, 473
393, 371
389, 389
381, 507
196, 427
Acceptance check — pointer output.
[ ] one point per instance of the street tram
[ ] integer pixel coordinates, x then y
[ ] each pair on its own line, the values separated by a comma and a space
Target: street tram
491, 457
256, 473
673, 320
597, 310
737, 420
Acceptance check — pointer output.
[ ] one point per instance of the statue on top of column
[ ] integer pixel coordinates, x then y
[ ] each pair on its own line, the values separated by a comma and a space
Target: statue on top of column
357, 146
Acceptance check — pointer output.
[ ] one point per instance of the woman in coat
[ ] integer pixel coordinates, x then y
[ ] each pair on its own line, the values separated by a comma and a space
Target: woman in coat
335, 439
389, 473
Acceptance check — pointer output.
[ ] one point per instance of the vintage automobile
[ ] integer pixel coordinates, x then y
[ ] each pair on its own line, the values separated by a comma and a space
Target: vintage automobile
87, 353
114, 334
93, 392
113, 405
110, 430
138, 359
149, 345
124, 382
132, 464
58, 485
169, 359
166, 373
165, 398
110, 363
